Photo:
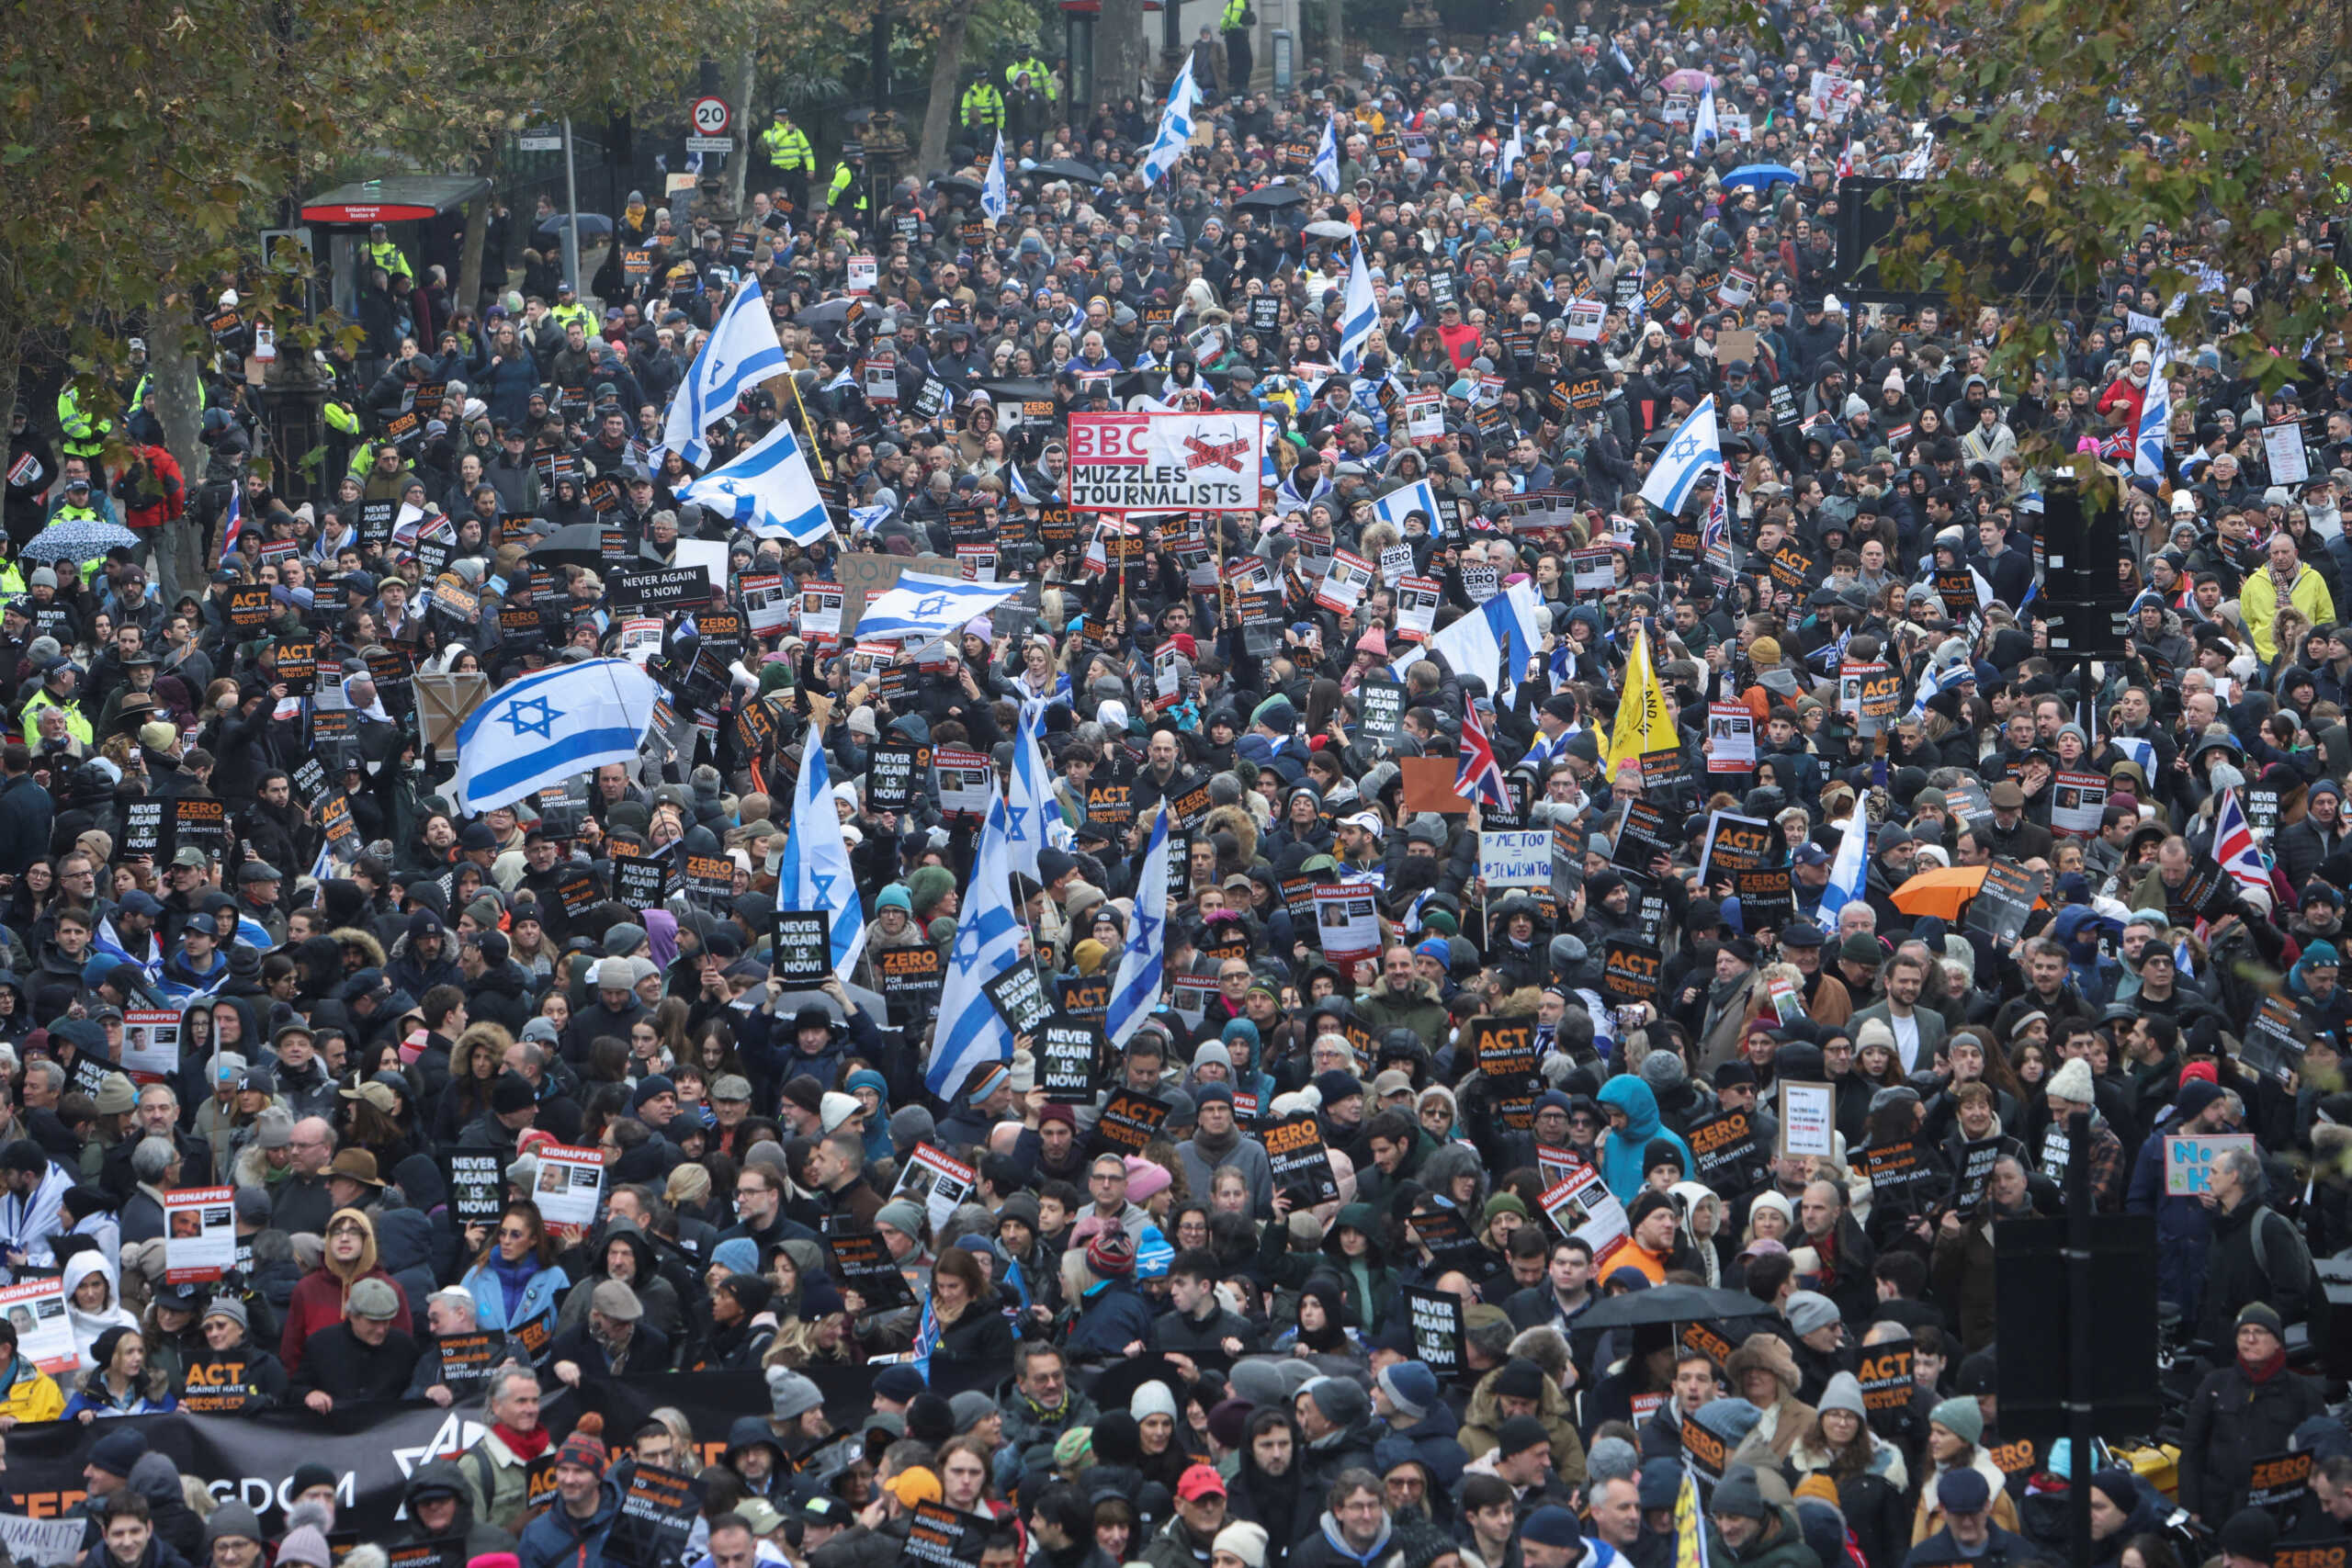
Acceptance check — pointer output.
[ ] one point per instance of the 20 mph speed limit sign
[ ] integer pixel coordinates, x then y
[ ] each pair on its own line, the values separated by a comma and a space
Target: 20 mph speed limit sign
711, 116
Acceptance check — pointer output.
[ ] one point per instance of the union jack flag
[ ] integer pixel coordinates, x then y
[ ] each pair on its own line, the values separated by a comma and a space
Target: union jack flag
2234, 847
234, 528
1480, 775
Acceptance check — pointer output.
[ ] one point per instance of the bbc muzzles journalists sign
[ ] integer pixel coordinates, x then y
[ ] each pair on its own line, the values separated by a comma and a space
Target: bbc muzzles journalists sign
1164, 462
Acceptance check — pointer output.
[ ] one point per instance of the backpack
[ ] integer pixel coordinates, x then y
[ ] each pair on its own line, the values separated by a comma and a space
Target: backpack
2299, 1259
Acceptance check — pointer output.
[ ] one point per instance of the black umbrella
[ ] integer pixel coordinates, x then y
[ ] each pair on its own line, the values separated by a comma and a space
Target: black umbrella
1669, 1304
574, 544
593, 225
962, 184
824, 313
1064, 169
1273, 197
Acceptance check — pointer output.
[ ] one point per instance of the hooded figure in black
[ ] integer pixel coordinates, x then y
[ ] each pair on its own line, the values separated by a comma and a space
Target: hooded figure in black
438, 1507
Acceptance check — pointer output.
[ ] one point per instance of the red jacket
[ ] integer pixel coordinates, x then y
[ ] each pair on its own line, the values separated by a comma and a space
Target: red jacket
1460, 342
318, 1303
152, 490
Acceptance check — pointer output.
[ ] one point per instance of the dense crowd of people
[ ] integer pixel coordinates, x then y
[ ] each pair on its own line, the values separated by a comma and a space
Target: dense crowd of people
1644, 1213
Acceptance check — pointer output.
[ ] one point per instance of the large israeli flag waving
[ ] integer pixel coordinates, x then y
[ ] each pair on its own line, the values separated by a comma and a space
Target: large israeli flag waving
988, 942
1143, 963
768, 489
741, 353
815, 871
1692, 453
2150, 441
995, 201
926, 607
1175, 126
543, 729
1359, 313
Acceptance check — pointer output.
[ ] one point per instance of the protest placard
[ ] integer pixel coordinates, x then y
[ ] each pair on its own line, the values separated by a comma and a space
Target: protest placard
199, 1234
571, 1184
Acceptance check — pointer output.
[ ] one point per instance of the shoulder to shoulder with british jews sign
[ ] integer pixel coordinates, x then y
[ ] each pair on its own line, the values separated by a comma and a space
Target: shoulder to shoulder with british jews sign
1164, 462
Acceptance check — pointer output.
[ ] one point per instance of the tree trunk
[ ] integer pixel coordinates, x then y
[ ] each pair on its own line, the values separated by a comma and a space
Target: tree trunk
172, 336
939, 114
1335, 40
477, 232
739, 169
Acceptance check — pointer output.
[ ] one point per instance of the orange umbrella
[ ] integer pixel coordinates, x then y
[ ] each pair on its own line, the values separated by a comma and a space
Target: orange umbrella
1941, 891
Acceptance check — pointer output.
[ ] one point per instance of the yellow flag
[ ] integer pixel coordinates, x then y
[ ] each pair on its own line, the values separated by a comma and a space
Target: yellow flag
1689, 1529
1645, 721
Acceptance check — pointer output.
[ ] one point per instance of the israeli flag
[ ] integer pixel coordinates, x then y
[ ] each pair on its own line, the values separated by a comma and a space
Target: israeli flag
741, 353
1358, 313
1703, 127
1689, 455
2150, 441
1935, 682
1143, 965
768, 489
926, 608
1848, 869
1493, 642
545, 728
815, 871
994, 200
1420, 496
1175, 127
1326, 158
1030, 807
1513, 150
969, 1030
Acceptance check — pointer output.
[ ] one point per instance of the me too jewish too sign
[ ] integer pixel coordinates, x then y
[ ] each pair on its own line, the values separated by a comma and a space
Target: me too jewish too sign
1164, 462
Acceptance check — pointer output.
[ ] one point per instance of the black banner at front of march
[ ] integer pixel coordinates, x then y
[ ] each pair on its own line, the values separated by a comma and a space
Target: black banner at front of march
1302, 1166
1019, 997
1438, 1331
863, 1263
804, 947
656, 1519
2005, 903
1129, 1123
1066, 1051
